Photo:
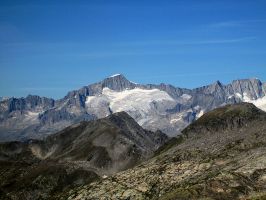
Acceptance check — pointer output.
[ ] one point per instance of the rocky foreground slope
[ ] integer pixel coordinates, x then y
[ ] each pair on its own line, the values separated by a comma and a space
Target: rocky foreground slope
220, 156
154, 107
75, 156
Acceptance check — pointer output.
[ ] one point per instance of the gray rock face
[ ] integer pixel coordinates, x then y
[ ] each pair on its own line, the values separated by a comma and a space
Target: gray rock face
29, 103
117, 83
252, 87
155, 107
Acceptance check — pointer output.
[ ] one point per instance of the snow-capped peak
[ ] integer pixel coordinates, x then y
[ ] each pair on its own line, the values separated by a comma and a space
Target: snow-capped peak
114, 75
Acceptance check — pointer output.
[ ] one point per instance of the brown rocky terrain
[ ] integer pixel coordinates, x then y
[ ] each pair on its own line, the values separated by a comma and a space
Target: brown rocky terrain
220, 156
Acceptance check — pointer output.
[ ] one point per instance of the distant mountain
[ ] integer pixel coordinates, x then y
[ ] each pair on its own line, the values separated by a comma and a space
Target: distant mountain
155, 107
219, 156
74, 156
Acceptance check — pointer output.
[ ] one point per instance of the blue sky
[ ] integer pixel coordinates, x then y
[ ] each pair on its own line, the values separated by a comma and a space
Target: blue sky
51, 47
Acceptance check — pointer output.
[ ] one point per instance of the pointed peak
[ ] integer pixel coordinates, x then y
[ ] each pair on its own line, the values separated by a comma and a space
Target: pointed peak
115, 77
217, 83
118, 82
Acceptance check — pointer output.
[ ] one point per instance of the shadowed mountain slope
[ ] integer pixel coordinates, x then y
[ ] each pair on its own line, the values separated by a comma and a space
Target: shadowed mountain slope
74, 156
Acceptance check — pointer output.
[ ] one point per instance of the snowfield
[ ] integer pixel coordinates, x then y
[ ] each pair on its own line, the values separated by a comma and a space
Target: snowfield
135, 99
147, 107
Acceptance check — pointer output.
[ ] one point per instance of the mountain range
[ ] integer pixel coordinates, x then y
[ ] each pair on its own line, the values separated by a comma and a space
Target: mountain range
220, 156
155, 107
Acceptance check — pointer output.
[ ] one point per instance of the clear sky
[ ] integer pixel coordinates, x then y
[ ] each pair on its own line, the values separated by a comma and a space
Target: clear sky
51, 47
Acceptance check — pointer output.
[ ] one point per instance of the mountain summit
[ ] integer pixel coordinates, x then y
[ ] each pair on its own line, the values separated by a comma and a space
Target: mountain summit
117, 82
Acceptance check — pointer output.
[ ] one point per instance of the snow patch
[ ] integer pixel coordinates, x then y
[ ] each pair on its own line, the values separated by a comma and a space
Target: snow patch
197, 107
89, 99
246, 97
31, 116
175, 120
239, 95
114, 75
178, 118
133, 82
186, 96
200, 114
